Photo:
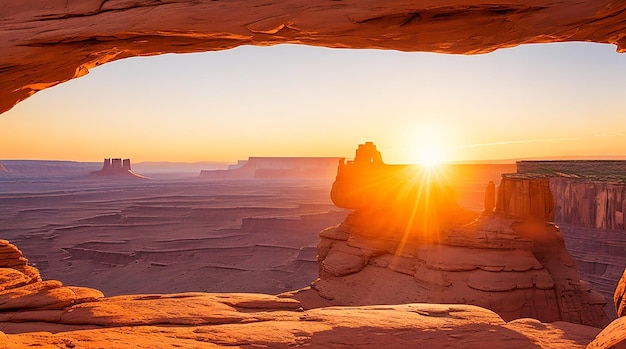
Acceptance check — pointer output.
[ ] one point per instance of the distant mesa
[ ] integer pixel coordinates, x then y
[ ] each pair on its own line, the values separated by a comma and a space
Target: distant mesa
278, 167
116, 168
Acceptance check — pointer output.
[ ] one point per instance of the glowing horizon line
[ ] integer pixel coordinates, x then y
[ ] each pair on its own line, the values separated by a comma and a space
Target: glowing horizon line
517, 142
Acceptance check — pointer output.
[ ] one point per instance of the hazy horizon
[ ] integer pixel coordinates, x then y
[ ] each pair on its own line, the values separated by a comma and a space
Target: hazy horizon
469, 162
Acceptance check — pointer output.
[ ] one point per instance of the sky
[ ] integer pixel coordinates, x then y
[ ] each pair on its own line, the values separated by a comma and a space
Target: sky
531, 101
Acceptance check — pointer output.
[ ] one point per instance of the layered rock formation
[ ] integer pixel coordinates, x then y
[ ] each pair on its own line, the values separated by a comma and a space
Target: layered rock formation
278, 167
407, 241
587, 199
48, 315
515, 270
14, 268
590, 194
45, 43
116, 168
25, 297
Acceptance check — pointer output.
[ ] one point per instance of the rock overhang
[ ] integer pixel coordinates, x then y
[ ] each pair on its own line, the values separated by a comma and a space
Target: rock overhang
49, 42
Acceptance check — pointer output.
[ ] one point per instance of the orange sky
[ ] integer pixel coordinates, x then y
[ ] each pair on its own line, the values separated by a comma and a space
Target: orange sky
526, 102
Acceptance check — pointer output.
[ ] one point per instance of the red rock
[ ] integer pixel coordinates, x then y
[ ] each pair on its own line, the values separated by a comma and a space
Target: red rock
46, 295
517, 268
612, 337
46, 43
176, 309
490, 197
524, 196
389, 201
343, 260
620, 296
335, 233
11, 278
524, 271
389, 326
11, 257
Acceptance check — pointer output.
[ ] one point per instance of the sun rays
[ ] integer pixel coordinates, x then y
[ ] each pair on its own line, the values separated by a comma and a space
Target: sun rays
431, 193
398, 205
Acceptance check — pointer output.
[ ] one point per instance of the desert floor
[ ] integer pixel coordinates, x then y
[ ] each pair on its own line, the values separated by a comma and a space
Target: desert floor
190, 234
149, 236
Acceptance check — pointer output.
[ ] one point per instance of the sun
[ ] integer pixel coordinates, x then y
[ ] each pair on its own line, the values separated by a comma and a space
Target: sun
428, 144
430, 156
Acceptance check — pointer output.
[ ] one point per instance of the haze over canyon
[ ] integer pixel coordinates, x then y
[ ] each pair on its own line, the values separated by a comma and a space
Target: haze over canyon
307, 242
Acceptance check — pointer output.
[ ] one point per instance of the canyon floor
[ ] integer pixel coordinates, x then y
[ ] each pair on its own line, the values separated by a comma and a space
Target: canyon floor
136, 239
138, 236
184, 234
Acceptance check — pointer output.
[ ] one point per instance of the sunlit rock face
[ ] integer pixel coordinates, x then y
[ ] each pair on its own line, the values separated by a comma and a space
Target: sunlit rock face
46, 314
395, 202
22, 291
407, 241
47, 42
14, 268
620, 296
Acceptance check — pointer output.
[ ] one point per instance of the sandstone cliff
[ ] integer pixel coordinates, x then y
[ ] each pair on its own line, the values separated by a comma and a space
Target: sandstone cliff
587, 199
525, 196
407, 241
517, 270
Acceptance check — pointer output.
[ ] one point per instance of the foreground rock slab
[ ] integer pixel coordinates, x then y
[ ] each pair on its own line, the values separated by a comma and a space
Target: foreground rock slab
258, 321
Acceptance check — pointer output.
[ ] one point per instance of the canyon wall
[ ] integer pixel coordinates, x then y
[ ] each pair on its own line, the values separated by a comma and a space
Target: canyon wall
525, 196
587, 199
589, 203
589, 194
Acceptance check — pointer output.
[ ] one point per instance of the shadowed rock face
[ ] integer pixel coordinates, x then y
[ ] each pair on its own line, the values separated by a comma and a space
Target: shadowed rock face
48, 42
587, 200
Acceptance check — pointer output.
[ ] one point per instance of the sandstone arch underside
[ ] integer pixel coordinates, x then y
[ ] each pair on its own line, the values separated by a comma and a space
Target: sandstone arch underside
46, 42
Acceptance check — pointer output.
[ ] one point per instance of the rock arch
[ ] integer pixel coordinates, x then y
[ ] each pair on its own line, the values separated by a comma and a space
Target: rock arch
48, 42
